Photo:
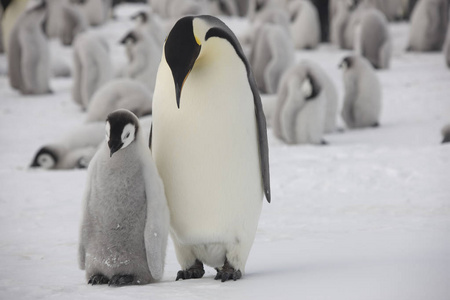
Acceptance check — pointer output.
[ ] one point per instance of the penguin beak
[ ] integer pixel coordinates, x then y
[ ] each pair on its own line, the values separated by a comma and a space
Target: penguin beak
114, 146
179, 88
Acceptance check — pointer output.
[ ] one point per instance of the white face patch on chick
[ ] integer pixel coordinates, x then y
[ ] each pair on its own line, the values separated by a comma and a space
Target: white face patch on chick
46, 161
307, 88
128, 135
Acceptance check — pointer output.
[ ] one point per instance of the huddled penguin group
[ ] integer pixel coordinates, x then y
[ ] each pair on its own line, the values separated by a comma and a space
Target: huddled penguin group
202, 172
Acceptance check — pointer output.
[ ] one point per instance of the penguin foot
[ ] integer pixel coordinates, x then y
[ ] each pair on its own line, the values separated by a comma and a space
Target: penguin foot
228, 273
121, 280
98, 279
194, 272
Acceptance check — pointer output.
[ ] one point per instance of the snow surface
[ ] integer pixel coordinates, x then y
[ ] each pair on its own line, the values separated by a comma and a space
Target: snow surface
366, 217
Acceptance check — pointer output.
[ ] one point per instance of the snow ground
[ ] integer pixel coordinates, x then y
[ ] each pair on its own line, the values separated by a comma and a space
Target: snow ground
366, 217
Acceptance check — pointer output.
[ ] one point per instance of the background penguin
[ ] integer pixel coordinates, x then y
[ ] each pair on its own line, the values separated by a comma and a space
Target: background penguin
55, 18
28, 54
375, 40
92, 66
447, 47
353, 26
74, 150
74, 22
391, 9
174, 9
338, 22
305, 26
200, 88
272, 53
96, 11
323, 8
428, 25
231, 7
2, 48
143, 58
150, 23
362, 100
119, 93
300, 112
13, 9
125, 226
446, 134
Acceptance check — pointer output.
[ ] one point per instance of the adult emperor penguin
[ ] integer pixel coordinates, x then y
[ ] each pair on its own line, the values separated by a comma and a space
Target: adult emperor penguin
362, 100
210, 145
28, 52
125, 226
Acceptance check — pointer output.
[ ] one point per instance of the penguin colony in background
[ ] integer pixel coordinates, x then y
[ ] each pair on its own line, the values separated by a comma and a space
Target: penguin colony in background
203, 81
215, 172
124, 231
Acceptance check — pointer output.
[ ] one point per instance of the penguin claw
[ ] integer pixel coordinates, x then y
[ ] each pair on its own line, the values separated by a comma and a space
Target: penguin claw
121, 280
98, 279
228, 273
194, 272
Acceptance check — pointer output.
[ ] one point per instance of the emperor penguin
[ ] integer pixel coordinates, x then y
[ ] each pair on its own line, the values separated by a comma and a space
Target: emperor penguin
55, 18
362, 100
446, 134
428, 26
125, 226
143, 57
174, 9
28, 52
74, 23
353, 26
150, 23
92, 66
96, 11
301, 107
209, 142
374, 42
447, 47
237, 8
119, 93
74, 150
272, 53
305, 24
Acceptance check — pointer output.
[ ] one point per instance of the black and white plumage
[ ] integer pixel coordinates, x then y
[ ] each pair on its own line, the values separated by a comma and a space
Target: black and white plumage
305, 26
144, 54
92, 66
74, 150
119, 93
272, 53
374, 40
28, 52
209, 141
429, 22
124, 231
362, 99
301, 106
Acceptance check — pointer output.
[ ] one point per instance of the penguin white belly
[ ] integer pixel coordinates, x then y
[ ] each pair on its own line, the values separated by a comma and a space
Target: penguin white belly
207, 154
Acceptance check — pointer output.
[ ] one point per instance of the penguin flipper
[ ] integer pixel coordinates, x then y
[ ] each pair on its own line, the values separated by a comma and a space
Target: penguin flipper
157, 224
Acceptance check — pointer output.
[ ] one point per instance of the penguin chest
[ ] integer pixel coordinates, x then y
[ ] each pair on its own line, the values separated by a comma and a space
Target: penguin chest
207, 153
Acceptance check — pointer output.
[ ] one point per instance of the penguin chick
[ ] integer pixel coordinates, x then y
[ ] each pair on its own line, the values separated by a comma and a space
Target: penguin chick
28, 52
124, 231
74, 150
209, 142
174, 9
339, 15
362, 100
143, 58
446, 134
74, 23
301, 104
96, 11
375, 40
428, 25
271, 55
151, 24
353, 26
305, 24
447, 47
92, 66
119, 93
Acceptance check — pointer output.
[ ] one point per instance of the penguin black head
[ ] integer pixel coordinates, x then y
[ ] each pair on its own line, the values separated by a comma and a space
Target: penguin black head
346, 63
181, 49
184, 45
142, 16
121, 129
310, 87
131, 37
46, 158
